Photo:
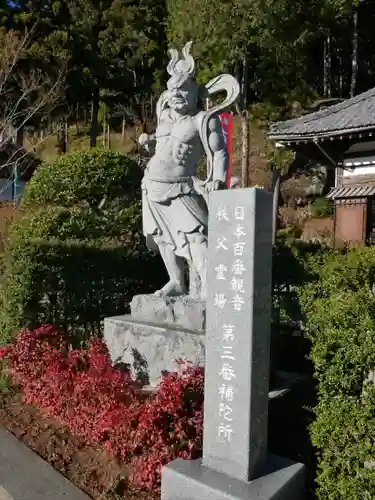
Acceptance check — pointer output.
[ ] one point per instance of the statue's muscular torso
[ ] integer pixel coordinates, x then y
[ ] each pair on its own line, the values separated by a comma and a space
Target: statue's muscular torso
178, 147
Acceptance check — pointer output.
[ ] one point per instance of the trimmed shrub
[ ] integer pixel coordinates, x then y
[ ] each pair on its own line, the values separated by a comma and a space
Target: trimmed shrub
70, 260
294, 264
169, 426
84, 178
339, 315
72, 283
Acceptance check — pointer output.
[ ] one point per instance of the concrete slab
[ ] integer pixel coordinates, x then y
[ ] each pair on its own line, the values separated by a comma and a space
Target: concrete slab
282, 479
26, 476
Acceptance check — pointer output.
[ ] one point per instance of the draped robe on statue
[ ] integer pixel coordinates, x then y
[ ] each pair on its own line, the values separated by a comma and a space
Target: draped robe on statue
173, 212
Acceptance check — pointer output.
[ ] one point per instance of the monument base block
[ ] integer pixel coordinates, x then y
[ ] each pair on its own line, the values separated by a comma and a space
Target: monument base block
190, 480
149, 350
182, 311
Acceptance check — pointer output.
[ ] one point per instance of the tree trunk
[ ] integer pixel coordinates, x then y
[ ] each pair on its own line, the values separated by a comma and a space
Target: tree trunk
104, 127
353, 83
20, 137
327, 67
123, 130
276, 183
16, 185
341, 75
108, 137
77, 119
94, 119
241, 108
244, 82
245, 155
152, 112
60, 141
66, 136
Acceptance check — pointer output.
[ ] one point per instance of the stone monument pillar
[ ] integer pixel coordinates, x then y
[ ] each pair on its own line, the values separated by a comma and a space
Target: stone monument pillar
236, 463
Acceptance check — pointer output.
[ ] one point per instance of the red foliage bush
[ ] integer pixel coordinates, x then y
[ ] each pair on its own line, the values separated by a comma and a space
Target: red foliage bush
81, 389
168, 425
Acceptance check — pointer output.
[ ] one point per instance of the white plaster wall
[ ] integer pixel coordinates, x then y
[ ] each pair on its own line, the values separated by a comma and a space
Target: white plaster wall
359, 171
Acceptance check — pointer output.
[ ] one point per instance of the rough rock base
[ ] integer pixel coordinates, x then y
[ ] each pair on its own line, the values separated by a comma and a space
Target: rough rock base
184, 311
150, 350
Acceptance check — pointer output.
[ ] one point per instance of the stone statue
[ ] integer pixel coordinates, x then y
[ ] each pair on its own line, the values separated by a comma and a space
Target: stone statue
175, 201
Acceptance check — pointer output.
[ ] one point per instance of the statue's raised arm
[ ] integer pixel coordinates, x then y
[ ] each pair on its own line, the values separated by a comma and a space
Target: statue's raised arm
175, 213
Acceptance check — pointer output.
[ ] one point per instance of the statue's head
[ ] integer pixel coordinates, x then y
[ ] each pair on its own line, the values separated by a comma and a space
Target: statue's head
182, 88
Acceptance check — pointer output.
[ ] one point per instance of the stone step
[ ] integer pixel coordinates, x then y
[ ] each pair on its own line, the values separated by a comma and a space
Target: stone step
26, 476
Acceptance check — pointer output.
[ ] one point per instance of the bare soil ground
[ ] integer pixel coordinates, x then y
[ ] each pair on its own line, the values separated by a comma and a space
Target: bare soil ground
90, 469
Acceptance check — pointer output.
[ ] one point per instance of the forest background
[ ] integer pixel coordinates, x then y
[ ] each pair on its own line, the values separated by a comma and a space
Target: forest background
82, 73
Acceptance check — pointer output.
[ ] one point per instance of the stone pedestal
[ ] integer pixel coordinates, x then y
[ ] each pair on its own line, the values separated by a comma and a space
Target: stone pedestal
183, 312
158, 333
281, 479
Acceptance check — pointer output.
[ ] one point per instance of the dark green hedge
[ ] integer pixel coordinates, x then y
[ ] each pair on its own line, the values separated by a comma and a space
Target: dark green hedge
292, 268
72, 259
338, 307
74, 284
332, 294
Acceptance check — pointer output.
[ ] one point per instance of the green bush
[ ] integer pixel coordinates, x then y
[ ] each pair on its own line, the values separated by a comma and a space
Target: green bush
69, 260
85, 178
294, 265
339, 314
72, 283
321, 207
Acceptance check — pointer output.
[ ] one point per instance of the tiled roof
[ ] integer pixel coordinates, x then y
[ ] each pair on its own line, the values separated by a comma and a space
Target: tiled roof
351, 192
356, 114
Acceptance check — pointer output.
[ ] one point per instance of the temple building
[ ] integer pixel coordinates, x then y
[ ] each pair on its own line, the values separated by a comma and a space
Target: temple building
342, 137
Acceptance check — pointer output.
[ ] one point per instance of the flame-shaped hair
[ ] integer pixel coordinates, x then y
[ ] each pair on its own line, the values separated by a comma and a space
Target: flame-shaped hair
184, 66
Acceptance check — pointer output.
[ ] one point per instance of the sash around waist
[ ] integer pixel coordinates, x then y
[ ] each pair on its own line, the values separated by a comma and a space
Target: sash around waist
169, 180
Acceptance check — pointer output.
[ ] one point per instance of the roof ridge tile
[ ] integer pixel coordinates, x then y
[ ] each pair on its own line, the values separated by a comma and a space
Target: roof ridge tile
307, 121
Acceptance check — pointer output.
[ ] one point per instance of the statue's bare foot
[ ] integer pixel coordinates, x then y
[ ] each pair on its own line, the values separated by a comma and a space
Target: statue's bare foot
172, 289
